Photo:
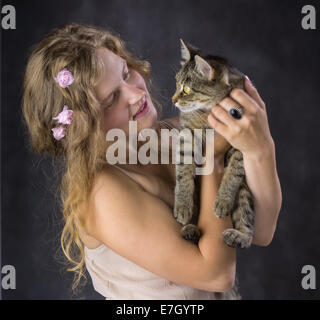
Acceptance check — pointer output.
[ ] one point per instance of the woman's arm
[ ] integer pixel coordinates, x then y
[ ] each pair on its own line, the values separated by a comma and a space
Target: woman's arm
263, 181
141, 228
251, 135
212, 227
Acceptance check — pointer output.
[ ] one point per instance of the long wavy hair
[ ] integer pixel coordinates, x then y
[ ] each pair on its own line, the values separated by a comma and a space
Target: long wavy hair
73, 47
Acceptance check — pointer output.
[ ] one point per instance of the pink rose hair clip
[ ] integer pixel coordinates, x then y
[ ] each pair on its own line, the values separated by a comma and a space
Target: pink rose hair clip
64, 78
59, 132
64, 118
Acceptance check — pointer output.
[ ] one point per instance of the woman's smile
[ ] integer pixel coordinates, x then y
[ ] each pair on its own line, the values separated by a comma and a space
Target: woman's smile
143, 110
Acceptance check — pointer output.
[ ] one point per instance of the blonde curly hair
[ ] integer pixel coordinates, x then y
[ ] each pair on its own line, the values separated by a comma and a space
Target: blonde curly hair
72, 46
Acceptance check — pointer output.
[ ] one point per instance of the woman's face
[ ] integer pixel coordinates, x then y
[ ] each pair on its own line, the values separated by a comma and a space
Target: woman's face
123, 94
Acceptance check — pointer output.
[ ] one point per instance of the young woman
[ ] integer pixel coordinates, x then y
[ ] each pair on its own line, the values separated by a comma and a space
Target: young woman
80, 82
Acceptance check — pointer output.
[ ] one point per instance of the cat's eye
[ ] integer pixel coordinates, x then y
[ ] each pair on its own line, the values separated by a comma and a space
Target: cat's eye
186, 89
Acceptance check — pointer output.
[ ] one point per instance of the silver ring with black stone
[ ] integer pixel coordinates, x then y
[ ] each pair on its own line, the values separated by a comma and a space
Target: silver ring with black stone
235, 113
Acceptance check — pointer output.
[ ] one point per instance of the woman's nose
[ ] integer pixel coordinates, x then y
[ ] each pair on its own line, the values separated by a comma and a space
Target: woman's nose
134, 95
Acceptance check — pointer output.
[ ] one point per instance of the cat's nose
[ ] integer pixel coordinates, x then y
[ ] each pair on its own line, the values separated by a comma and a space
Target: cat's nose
174, 99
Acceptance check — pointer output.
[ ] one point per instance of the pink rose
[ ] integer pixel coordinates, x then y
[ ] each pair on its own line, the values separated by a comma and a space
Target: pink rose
59, 132
64, 78
65, 116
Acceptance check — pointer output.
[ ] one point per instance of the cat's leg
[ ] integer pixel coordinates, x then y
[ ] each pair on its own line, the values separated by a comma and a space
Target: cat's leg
184, 207
231, 181
243, 220
184, 189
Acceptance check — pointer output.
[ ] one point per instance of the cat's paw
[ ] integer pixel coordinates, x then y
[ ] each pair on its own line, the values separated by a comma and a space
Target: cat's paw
183, 213
236, 239
223, 207
191, 232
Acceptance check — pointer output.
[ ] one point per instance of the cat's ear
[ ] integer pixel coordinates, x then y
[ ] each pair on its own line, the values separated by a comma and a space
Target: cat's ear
225, 76
185, 53
204, 68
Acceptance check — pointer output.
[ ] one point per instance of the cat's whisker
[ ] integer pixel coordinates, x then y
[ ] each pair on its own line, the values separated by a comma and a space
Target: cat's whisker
166, 124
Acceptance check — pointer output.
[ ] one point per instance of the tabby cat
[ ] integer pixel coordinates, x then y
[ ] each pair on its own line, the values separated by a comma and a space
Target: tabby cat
202, 82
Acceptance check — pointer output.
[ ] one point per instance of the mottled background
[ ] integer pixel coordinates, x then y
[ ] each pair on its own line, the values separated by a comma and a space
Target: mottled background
262, 38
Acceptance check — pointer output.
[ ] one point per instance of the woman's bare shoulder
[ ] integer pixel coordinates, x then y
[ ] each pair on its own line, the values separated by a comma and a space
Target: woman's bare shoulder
108, 184
108, 180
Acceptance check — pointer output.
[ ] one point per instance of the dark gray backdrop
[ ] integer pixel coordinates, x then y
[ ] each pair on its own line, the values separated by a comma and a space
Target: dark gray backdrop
262, 38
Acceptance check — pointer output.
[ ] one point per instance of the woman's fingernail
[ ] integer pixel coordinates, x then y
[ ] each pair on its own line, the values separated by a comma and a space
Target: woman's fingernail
250, 81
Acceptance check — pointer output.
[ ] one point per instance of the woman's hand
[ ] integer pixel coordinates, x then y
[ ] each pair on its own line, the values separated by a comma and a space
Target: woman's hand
250, 134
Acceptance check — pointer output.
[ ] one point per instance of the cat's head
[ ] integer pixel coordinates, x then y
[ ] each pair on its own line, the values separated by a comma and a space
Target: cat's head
203, 80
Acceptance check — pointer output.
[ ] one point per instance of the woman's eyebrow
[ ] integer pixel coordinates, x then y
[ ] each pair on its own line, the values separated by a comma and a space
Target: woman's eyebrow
109, 95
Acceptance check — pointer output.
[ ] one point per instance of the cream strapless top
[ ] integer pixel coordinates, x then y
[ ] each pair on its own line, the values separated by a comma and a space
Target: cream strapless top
117, 278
